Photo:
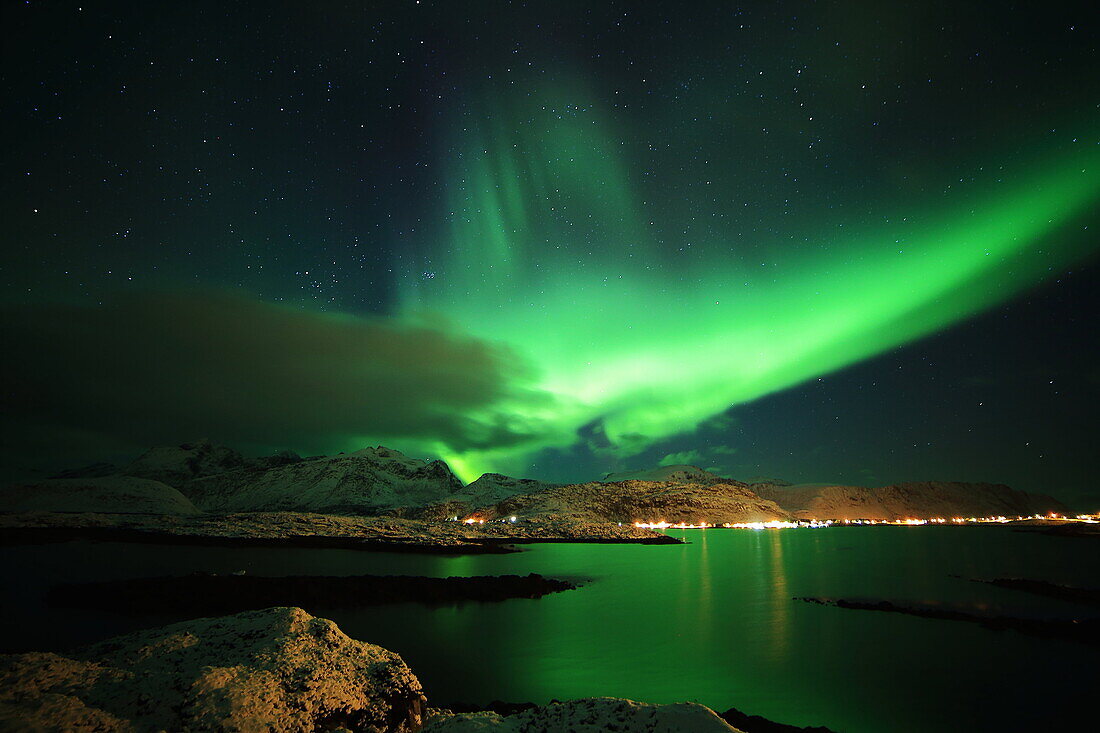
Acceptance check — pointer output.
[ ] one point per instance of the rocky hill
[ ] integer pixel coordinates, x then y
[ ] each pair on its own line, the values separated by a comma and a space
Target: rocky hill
369, 481
918, 500
641, 501
683, 473
116, 494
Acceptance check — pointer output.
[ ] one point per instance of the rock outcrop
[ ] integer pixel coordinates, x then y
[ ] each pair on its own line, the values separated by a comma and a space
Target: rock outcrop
641, 501
587, 715
278, 669
115, 494
369, 481
918, 500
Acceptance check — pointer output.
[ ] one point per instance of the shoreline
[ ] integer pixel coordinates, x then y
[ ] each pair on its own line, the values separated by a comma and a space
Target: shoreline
315, 531
738, 719
306, 530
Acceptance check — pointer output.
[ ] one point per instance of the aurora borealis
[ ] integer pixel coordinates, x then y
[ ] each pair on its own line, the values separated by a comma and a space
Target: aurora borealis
651, 350
555, 238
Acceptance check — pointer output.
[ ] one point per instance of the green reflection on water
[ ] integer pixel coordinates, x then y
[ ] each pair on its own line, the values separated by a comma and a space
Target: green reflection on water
712, 621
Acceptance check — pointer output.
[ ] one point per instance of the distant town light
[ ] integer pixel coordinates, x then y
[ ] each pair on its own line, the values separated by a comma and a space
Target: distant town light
812, 523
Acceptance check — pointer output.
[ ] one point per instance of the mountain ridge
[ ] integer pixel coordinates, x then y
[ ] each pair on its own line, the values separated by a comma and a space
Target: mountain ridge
379, 480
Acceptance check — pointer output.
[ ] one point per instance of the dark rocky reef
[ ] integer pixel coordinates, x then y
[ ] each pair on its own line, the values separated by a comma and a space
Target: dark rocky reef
1062, 529
1087, 596
736, 718
207, 594
586, 714
1086, 631
756, 724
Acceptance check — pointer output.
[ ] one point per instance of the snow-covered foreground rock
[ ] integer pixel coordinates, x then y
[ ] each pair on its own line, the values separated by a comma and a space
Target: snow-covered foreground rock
121, 494
279, 669
588, 715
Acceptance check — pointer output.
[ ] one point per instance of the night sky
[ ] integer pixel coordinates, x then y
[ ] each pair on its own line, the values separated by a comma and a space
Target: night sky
834, 241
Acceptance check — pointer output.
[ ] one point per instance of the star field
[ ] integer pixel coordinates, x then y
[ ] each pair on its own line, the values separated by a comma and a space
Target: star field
825, 241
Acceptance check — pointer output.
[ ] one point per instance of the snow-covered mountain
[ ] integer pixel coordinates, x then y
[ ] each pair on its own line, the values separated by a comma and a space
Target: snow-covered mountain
209, 477
367, 481
492, 488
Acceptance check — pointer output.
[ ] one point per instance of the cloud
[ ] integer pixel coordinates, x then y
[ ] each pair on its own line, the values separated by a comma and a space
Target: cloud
155, 367
687, 457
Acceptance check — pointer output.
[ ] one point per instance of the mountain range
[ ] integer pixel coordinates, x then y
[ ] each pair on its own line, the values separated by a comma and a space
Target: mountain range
206, 477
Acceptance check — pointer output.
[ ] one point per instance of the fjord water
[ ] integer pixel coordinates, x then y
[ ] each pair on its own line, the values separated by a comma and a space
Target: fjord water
712, 621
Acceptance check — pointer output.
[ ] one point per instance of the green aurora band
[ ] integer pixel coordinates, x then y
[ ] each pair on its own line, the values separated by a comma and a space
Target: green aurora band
548, 253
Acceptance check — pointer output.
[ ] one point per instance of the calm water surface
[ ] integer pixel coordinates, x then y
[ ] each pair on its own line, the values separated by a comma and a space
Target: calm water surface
712, 621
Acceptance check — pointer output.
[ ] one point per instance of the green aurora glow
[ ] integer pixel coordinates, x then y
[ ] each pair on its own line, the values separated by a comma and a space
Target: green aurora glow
549, 253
